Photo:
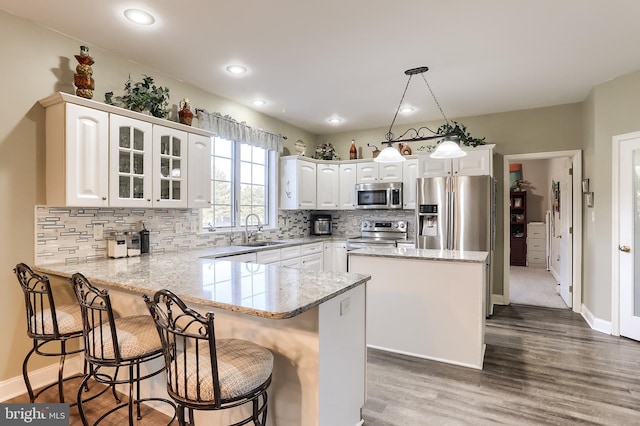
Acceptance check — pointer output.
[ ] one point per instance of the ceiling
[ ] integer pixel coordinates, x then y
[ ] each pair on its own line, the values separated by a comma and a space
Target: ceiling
312, 60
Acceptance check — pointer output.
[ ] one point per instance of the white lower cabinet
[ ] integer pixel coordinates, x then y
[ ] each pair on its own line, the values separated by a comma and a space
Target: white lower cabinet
335, 256
312, 256
268, 256
308, 256
312, 261
290, 257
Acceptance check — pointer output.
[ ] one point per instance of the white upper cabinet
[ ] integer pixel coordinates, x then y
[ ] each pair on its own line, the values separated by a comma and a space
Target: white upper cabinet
370, 172
199, 176
478, 161
390, 172
99, 155
130, 175
327, 186
169, 167
367, 172
297, 184
347, 186
409, 176
77, 150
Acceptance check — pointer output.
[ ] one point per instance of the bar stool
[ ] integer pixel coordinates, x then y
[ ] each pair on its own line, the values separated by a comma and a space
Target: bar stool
112, 343
205, 373
46, 323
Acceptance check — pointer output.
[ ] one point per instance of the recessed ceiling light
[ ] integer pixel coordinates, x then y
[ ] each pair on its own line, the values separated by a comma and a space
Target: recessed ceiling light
236, 69
139, 16
407, 109
259, 102
335, 120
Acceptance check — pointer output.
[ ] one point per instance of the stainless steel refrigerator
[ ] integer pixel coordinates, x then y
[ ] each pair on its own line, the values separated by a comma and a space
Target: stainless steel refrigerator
457, 213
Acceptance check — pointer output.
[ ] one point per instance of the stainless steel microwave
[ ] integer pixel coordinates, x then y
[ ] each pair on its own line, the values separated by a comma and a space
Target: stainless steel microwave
381, 195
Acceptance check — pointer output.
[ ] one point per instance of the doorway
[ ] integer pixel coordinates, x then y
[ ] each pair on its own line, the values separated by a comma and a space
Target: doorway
571, 275
625, 280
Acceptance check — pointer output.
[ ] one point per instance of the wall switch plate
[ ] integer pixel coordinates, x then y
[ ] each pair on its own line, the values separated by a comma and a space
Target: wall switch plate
345, 306
98, 231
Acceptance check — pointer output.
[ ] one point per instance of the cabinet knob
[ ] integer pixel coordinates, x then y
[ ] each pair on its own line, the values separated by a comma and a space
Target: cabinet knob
104, 198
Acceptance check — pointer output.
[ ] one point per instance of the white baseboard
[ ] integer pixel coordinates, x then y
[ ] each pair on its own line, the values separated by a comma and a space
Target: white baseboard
595, 323
15, 386
497, 299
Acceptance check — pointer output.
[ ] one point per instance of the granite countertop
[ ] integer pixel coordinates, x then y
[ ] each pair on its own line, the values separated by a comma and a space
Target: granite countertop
262, 290
424, 254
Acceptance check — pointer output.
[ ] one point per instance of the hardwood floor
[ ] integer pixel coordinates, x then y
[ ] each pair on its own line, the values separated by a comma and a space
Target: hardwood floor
542, 366
95, 408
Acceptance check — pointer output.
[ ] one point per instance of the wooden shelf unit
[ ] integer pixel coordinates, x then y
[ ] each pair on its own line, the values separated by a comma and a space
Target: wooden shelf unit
518, 228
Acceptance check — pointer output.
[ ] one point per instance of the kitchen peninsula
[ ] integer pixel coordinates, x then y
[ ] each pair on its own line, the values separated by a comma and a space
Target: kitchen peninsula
312, 321
426, 303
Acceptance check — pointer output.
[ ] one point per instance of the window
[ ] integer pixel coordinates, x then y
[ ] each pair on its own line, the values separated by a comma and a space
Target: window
240, 186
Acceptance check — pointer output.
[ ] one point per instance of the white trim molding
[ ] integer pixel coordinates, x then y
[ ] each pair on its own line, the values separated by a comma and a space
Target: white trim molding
596, 323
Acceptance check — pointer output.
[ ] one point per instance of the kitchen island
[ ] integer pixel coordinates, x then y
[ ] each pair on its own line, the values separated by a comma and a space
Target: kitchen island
312, 321
425, 303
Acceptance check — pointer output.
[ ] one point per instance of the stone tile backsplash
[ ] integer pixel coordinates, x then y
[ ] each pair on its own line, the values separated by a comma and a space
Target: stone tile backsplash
65, 234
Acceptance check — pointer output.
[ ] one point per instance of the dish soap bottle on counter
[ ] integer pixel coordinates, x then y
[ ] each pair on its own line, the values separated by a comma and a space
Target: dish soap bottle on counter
353, 152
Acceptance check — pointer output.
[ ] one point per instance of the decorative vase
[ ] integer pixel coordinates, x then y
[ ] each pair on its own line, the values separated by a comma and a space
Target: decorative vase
185, 115
83, 79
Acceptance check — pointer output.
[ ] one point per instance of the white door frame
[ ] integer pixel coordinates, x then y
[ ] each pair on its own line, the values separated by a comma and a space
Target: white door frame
576, 157
615, 228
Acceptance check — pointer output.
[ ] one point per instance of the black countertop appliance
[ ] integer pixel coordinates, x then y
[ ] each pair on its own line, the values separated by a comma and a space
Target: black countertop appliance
320, 224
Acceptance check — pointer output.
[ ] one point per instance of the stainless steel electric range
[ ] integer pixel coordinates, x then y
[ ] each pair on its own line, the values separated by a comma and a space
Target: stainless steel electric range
379, 233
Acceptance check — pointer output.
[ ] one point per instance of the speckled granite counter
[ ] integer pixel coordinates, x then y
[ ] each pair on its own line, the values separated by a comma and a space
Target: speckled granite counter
424, 254
274, 291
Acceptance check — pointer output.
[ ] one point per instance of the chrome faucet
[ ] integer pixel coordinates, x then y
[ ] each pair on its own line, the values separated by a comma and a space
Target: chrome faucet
247, 235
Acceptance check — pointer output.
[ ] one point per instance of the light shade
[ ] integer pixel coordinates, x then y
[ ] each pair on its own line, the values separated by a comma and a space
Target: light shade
389, 155
448, 149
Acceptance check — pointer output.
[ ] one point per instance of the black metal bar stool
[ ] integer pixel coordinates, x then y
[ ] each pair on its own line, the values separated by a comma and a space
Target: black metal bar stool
47, 323
112, 343
204, 373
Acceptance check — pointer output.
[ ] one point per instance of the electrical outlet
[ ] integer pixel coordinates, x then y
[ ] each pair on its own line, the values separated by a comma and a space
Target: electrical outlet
98, 231
345, 306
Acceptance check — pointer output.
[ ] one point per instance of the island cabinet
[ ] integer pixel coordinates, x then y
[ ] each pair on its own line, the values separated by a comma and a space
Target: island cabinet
99, 155
312, 321
425, 303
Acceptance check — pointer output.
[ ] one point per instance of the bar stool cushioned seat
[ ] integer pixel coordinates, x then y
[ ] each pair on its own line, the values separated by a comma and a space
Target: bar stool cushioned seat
47, 322
204, 373
115, 343
136, 336
242, 367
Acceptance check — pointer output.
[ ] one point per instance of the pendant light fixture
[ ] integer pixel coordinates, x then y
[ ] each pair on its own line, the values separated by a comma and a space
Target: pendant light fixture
448, 148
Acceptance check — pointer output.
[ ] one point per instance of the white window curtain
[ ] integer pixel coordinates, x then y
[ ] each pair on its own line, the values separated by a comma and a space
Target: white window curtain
228, 128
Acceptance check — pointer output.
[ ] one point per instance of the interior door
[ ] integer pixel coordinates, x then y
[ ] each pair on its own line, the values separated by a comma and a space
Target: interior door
566, 242
629, 235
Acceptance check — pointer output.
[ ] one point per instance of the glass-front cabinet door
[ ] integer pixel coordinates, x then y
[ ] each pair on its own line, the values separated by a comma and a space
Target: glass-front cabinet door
130, 176
169, 167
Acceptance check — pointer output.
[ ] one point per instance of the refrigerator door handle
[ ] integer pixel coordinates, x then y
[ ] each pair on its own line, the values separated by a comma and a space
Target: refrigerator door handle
450, 220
